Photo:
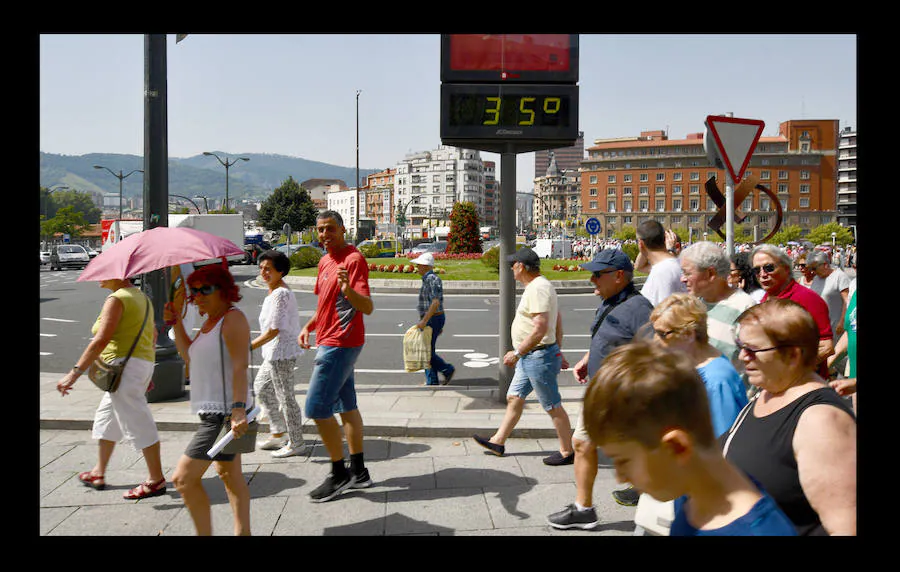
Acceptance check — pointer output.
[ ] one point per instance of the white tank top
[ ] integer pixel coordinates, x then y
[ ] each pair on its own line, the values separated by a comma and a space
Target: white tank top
205, 355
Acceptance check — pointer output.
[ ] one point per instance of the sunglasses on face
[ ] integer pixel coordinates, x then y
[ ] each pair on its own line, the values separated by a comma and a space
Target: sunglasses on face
752, 352
599, 273
206, 289
769, 268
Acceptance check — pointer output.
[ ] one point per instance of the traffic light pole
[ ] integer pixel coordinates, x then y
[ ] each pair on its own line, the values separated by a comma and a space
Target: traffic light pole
507, 298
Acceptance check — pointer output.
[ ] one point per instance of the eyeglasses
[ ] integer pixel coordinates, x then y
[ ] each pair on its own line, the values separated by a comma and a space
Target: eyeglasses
769, 268
599, 273
751, 352
206, 289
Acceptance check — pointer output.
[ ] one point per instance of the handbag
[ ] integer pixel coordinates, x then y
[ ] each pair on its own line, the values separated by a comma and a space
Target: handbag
247, 442
107, 376
417, 348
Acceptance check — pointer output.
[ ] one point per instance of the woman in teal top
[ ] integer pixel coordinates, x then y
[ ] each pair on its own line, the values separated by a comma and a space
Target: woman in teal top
123, 415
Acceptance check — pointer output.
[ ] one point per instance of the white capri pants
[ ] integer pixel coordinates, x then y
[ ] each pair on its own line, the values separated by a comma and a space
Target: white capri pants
125, 415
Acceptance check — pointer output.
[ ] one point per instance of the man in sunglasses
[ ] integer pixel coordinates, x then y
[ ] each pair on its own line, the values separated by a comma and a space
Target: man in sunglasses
833, 285
621, 314
772, 267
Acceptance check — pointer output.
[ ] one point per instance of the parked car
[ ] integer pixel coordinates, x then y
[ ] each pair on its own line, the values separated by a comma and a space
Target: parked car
293, 248
437, 247
45, 257
91, 252
68, 256
253, 250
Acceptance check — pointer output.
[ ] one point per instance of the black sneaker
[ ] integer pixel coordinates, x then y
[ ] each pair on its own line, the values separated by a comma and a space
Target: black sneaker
492, 447
556, 459
626, 497
362, 480
448, 376
331, 488
571, 517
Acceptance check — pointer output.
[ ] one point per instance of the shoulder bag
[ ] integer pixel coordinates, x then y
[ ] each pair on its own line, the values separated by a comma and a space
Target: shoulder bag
107, 376
247, 442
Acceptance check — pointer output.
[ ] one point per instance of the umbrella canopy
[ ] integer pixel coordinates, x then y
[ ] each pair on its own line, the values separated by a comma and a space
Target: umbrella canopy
156, 248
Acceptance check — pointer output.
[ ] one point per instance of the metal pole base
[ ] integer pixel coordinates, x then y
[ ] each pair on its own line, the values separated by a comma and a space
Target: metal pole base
168, 376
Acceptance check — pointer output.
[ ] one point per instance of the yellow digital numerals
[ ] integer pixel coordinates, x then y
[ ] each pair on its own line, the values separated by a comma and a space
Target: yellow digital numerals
550, 106
495, 111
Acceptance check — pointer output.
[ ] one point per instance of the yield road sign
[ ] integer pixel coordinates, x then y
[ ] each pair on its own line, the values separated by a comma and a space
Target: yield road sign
592, 225
735, 140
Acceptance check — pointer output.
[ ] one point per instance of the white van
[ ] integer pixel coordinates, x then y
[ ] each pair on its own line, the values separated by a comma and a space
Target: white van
553, 248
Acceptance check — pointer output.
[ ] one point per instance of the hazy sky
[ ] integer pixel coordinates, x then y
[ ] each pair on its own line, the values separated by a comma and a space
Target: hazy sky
296, 94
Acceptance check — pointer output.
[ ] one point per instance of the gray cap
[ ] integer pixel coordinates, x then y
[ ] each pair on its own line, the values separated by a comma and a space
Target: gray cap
609, 258
526, 256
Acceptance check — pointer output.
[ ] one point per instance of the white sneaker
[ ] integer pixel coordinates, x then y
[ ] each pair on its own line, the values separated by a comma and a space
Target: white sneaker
274, 443
289, 451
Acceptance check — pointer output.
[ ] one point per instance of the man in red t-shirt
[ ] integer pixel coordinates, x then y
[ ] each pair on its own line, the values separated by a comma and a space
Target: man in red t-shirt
773, 269
342, 285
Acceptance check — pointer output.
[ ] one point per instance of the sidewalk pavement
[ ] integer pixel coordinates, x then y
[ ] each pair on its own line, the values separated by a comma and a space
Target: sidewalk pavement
430, 477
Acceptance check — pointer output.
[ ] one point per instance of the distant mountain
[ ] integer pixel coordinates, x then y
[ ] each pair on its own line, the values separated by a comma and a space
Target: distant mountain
191, 176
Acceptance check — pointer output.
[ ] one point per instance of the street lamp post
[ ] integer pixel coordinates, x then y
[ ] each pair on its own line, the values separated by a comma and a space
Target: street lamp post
358, 213
121, 178
205, 204
227, 163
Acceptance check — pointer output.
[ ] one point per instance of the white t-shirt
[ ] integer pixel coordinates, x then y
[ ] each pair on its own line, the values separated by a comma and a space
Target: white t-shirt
538, 297
830, 290
279, 312
664, 279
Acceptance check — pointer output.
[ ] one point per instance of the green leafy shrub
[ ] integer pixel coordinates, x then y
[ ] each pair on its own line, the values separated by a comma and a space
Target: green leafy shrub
305, 258
370, 250
632, 250
491, 258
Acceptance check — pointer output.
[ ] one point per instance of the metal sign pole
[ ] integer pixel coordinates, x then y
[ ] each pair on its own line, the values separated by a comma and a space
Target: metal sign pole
507, 297
729, 213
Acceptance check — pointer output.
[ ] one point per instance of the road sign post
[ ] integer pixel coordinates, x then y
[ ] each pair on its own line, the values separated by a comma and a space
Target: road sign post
731, 140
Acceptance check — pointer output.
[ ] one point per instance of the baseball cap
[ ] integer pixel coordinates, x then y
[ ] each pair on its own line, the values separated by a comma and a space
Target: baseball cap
526, 256
425, 259
609, 258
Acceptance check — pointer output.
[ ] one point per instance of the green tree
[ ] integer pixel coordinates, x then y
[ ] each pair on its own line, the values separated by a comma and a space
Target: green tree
822, 234
785, 234
80, 201
290, 203
67, 221
627, 233
464, 236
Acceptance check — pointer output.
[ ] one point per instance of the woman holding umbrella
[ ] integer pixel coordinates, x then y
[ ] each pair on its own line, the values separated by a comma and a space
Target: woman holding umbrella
218, 357
123, 414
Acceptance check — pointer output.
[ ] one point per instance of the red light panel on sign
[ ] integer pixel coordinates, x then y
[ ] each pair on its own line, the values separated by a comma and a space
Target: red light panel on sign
532, 58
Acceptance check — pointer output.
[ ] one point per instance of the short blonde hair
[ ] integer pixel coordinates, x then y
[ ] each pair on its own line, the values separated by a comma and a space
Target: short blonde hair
787, 324
685, 312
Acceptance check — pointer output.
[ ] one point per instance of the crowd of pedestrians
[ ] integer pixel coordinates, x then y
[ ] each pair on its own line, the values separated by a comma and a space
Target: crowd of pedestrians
718, 389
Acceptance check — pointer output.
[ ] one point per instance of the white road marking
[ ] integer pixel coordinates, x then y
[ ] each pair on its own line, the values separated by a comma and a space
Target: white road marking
48, 335
60, 320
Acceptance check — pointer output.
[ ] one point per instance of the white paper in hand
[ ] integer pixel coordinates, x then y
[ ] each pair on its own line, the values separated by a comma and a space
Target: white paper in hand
217, 448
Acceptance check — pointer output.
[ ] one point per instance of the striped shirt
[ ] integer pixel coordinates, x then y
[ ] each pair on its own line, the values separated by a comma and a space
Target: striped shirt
720, 319
432, 288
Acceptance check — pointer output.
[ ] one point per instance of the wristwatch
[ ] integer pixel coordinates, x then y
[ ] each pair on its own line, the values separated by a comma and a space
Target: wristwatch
239, 405
517, 354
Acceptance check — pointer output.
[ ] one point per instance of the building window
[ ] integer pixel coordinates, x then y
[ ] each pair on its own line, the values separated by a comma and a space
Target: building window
783, 204
765, 175
660, 177
782, 175
676, 205
710, 205
804, 174
626, 206
804, 202
593, 205
676, 176
626, 191
747, 204
694, 204
592, 192
676, 189
644, 190
626, 178
765, 204
804, 189
695, 189
765, 161
611, 191
593, 179
695, 176
660, 204
611, 179
611, 206
710, 175
643, 204
643, 177
782, 188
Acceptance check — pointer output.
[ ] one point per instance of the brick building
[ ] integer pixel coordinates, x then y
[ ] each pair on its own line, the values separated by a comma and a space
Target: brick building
627, 180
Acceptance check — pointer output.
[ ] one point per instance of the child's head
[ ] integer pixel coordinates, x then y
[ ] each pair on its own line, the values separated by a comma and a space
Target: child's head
644, 406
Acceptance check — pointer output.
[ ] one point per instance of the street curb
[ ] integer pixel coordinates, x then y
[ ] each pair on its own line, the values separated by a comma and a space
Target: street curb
389, 286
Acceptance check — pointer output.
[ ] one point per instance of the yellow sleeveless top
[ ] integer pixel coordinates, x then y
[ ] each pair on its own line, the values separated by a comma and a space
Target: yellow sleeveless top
135, 305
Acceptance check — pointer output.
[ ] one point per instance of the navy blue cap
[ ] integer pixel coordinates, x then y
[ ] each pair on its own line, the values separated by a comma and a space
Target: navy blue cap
609, 258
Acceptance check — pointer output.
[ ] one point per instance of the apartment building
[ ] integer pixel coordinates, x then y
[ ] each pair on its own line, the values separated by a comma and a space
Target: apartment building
567, 158
344, 202
557, 199
428, 183
846, 186
379, 199
491, 195
627, 180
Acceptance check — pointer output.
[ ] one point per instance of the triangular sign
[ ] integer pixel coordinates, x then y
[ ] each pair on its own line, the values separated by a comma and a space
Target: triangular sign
736, 139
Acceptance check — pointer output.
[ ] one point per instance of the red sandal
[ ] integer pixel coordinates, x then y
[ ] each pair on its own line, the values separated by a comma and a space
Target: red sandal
89, 479
146, 490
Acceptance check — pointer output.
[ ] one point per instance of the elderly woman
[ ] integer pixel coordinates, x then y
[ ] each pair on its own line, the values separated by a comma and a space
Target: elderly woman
218, 357
773, 269
123, 414
797, 437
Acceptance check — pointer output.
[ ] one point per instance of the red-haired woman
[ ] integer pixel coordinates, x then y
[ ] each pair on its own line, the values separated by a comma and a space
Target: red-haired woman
224, 335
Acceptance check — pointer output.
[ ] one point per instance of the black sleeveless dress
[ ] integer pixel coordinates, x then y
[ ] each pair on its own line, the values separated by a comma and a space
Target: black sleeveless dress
762, 447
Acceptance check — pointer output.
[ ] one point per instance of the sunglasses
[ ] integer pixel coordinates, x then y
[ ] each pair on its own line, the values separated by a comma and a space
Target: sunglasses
599, 273
751, 352
206, 289
769, 268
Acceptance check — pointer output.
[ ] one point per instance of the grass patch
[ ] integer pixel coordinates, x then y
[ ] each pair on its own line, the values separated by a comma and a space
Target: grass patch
460, 270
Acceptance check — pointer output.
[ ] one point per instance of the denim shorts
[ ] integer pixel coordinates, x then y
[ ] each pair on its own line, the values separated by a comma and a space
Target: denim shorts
331, 389
538, 371
205, 437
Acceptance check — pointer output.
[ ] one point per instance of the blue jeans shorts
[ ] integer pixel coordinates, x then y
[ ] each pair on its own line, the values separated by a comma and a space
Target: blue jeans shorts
538, 371
331, 389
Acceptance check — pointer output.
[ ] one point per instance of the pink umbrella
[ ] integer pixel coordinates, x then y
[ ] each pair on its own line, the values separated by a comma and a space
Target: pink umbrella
156, 248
